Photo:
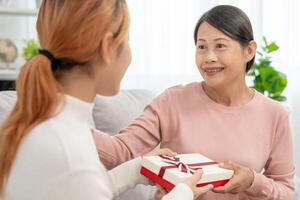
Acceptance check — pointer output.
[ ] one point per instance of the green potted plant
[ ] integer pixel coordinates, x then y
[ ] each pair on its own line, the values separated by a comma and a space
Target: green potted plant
266, 79
30, 49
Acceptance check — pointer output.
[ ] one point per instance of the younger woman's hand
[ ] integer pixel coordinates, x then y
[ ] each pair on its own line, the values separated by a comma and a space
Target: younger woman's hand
242, 179
192, 183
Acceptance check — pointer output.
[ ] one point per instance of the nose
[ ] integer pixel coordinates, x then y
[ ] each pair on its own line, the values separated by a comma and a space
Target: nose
210, 56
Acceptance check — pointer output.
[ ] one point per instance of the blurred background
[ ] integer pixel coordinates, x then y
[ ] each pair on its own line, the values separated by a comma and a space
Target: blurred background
161, 38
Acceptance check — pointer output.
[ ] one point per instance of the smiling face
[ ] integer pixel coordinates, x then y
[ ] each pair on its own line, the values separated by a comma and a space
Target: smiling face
220, 59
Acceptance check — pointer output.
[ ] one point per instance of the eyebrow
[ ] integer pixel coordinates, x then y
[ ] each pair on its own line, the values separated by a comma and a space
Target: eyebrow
217, 39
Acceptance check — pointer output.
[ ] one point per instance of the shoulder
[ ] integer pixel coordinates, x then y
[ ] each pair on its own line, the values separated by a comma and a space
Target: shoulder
43, 144
180, 91
274, 108
61, 143
175, 96
183, 89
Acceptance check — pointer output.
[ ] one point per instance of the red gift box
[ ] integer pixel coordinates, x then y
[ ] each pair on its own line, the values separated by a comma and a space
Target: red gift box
169, 171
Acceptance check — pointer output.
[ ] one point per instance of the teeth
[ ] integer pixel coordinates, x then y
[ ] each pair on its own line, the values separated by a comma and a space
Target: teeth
213, 70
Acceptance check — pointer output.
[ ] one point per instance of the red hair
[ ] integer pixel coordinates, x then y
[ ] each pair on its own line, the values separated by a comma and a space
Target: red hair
71, 30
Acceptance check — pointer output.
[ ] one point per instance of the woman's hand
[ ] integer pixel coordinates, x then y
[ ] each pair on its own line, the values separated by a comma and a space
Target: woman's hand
242, 179
160, 152
192, 183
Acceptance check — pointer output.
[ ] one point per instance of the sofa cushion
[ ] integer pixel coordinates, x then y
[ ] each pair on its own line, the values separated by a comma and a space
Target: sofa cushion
113, 113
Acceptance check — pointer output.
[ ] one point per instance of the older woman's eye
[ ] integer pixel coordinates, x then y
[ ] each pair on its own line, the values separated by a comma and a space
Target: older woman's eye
200, 46
220, 45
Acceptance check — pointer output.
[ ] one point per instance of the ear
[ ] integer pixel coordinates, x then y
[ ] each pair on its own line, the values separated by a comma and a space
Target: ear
250, 50
106, 48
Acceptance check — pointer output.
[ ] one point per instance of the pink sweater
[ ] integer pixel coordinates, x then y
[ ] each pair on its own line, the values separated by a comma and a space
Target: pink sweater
184, 119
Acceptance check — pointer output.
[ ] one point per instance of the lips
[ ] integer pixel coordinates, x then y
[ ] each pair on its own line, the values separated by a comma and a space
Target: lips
213, 71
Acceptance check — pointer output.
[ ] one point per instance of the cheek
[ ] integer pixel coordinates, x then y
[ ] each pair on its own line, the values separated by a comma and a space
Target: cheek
129, 55
199, 60
125, 61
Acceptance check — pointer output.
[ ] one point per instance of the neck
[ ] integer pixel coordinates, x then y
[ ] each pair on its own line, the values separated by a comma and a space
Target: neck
234, 95
78, 84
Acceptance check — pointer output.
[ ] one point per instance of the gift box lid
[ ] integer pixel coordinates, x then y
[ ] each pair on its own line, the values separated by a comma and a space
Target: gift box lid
211, 172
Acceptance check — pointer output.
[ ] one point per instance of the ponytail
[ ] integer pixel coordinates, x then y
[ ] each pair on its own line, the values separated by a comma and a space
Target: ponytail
37, 99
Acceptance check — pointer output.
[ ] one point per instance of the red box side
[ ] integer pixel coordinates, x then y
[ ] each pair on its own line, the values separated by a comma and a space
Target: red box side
169, 186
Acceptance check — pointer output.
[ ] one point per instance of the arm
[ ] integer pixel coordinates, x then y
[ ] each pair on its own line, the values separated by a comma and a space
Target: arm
181, 191
140, 137
126, 176
92, 185
277, 180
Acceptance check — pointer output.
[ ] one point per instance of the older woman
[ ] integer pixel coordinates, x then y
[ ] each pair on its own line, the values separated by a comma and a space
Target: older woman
220, 117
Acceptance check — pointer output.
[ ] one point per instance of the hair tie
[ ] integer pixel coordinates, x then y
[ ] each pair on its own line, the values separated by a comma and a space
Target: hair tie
49, 55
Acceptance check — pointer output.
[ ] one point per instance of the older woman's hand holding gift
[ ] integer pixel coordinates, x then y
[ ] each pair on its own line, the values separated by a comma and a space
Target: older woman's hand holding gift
242, 179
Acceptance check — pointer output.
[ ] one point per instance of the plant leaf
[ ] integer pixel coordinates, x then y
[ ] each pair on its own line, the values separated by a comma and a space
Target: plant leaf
272, 47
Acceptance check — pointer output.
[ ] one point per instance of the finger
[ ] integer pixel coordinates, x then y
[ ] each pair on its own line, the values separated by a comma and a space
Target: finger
151, 182
230, 184
229, 165
192, 181
161, 190
166, 152
202, 190
226, 188
226, 165
235, 191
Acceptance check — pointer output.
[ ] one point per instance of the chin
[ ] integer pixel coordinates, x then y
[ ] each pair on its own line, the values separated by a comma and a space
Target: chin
213, 83
109, 91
